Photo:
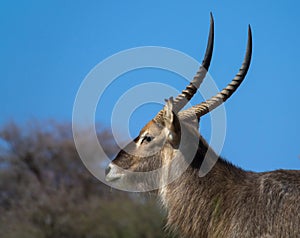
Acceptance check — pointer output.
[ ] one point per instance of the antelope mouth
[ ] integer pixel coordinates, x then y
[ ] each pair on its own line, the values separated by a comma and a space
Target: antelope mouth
112, 178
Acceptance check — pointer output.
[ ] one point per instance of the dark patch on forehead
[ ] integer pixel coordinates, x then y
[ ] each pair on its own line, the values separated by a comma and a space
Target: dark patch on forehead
146, 127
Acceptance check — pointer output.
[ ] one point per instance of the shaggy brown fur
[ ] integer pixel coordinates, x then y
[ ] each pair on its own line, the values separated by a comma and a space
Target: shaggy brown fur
231, 202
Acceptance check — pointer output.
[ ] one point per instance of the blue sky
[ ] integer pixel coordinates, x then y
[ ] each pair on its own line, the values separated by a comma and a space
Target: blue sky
47, 49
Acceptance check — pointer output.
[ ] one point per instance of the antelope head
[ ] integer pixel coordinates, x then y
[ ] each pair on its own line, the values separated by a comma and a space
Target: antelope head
168, 135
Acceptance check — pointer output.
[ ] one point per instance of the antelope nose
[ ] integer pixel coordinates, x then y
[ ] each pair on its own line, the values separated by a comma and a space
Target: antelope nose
107, 170
112, 173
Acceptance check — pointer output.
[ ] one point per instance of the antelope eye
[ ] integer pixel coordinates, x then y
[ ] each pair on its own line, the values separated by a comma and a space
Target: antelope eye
146, 139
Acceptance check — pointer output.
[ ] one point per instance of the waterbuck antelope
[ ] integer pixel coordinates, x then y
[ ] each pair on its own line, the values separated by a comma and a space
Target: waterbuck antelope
228, 201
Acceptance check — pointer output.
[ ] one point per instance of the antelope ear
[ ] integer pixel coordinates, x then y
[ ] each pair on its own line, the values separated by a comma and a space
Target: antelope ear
171, 122
168, 113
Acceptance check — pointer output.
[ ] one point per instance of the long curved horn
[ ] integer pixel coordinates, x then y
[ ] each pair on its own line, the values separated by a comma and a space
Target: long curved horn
182, 99
210, 104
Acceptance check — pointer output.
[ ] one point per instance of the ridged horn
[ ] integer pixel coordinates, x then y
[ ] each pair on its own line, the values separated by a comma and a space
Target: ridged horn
182, 99
210, 104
